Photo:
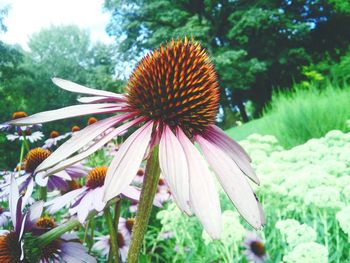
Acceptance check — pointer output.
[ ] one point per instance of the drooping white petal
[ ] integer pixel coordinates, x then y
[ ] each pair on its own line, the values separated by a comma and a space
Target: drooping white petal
233, 149
127, 161
13, 200
91, 149
203, 195
80, 139
73, 87
173, 164
233, 181
28, 193
67, 112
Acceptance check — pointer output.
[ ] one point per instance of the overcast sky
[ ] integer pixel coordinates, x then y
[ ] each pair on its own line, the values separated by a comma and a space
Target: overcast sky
28, 16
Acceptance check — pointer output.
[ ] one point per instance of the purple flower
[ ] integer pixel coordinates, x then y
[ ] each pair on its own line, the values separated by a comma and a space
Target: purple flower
55, 137
4, 217
255, 248
11, 242
89, 197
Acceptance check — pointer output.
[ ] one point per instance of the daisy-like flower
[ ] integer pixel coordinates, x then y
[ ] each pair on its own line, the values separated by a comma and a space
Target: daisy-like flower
4, 217
173, 97
55, 137
103, 245
88, 197
9, 128
255, 248
25, 133
27, 179
66, 249
11, 242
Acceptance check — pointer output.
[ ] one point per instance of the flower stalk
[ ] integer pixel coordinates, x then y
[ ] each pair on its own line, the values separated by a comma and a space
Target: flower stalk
113, 252
148, 192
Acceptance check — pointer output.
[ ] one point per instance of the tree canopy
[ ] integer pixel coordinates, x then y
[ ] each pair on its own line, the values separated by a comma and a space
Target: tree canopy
256, 45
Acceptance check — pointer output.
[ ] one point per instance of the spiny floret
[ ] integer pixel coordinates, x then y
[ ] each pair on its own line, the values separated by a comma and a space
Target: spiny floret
34, 158
176, 85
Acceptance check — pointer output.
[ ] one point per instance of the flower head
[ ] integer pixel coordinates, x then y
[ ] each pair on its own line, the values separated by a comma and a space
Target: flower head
172, 97
55, 137
255, 248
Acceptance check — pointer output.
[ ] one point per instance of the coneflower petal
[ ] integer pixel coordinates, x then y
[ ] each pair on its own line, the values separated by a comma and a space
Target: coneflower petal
59, 202
203, 195
215, 135
13, 200
67, 112
33, 214
73, 87
127, 161
173, 165
77, 158
80, 139
233, 181
97, 99
28, 193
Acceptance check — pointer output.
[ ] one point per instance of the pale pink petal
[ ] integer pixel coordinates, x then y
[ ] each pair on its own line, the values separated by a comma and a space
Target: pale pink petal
98, 203
127, 161
217, 136
28, 193
233, 181
73, 87
59, 202
204, 198
173, 165
96, 99
33, 214
13, 200
84, 207
91, 149
67, 112
77, 142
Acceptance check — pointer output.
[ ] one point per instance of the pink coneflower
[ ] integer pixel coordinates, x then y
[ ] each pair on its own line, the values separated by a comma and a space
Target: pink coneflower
255, 248
173, 95
11, 242
67, 248
25, 133
103, 245
9, 128
55, 137
88, 197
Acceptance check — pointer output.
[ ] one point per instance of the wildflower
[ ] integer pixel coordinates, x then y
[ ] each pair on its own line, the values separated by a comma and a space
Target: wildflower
173, 94
255, 248
55, 137
11, 242
67, 248
103, 245
307, 252
7, 127
91, 120
25, 134
4, 217
88, 197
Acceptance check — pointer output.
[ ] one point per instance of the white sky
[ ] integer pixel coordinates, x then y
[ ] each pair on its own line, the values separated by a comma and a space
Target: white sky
28, 16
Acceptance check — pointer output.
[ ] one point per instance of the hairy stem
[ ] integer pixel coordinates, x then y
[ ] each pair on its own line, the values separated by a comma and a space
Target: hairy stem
148, 192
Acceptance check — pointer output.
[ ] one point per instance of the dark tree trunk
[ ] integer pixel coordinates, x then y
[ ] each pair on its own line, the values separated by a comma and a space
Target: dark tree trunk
237, 99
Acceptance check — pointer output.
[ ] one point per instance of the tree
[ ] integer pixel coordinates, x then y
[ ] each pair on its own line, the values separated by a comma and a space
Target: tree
268, 41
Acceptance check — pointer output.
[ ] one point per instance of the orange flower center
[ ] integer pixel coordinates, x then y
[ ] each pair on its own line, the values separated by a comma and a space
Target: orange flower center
75, 128
34, 158
96, 177
19, 114
10, 250
45, 222
92, 120
54, 134
129, 223
258, 248
176, 85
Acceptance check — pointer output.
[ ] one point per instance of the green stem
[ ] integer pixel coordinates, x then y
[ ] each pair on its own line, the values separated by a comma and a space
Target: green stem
92, 229
26, 143
117, 213
58, 231
148, 192
113, 252
21, 158
43, 193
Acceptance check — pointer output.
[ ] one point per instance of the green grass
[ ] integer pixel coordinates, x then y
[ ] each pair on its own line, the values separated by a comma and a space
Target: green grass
297, 116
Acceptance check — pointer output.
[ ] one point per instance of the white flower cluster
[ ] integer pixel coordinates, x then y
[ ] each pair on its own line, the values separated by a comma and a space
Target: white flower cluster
343, 218
309, 252
296, 233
